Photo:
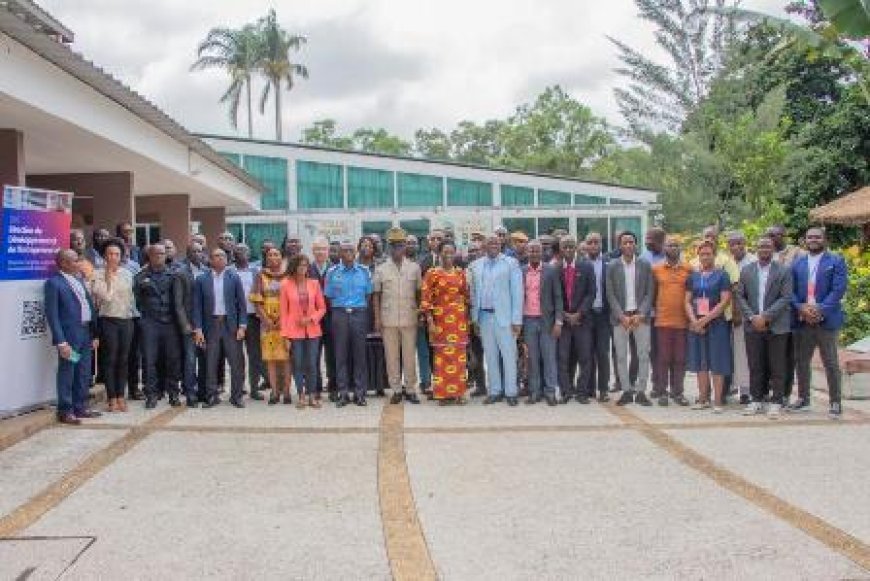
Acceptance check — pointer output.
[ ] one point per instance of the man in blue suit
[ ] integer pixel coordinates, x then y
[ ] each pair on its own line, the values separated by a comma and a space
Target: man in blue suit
220, 317
820, 280
71, 317
497, 310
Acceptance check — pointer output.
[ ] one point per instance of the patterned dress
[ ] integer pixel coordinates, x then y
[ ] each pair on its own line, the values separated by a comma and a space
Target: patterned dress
267, 294
445, 296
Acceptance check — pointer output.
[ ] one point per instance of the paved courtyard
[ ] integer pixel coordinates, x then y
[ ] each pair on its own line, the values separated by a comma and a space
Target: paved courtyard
423, 492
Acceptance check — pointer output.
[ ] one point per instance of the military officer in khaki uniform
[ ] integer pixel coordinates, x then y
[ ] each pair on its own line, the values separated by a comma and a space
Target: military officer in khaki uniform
396, 302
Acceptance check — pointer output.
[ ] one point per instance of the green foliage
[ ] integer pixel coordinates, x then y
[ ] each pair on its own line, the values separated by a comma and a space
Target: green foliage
850, 17
857, 301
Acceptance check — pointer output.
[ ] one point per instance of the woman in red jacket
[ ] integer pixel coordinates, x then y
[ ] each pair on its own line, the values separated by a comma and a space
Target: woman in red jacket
302, 308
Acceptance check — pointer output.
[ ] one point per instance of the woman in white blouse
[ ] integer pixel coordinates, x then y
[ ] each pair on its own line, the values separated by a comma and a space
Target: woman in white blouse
113, 290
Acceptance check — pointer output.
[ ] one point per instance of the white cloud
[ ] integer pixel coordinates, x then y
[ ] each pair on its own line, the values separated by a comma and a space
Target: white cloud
399, 65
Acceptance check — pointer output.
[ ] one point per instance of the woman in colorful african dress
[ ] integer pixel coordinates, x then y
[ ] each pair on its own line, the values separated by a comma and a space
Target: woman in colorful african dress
445, 301
266, 297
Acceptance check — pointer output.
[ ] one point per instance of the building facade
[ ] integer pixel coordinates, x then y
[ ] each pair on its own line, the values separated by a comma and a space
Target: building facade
314, 191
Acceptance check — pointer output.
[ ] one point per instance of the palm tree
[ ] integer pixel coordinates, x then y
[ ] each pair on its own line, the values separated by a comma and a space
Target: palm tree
237, 51
275, 64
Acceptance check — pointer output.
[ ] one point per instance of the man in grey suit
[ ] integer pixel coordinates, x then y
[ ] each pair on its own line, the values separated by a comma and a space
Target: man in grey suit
542, 323
630, 295
764, 296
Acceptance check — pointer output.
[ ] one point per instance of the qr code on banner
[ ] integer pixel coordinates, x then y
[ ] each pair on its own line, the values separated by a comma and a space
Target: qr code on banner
32, 319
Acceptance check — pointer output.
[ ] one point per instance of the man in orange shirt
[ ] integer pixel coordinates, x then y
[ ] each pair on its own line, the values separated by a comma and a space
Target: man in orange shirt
671, 323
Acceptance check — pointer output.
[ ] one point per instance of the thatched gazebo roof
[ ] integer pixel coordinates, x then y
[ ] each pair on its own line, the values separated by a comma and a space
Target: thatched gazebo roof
849, 210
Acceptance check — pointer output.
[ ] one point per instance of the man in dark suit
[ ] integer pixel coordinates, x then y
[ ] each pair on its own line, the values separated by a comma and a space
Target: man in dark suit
820, 279
220, 317
629, 296
575, 344
599, 321
542, 323
71, 317
764, 295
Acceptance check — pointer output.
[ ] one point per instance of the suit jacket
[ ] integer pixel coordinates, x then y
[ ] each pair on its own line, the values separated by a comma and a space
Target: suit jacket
63, 313
552, 301
507, 294
643, 289
234, 299
291, 312
832, 279
777, 297
584, 288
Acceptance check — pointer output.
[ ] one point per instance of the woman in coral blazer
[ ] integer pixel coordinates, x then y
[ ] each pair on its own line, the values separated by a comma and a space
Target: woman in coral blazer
302, 308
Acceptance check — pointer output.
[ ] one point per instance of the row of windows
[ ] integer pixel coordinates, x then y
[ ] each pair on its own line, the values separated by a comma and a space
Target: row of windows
321, 186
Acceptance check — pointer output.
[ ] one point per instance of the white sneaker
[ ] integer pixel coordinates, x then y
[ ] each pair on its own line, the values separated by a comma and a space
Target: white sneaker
753, 409
773, 411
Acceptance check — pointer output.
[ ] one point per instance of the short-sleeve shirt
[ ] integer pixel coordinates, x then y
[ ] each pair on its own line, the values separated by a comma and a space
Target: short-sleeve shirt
348, 287
671, 294
709, 285
399, 288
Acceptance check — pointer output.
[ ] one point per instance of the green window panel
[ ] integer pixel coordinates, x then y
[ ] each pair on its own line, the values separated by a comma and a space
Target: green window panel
525, 225
272, 173
256, 233
548, 225
517, 196
587, 225
233, 157
235, 230
416, 190
319, 185
627, 223
468, 193
379, 227
419, 228
551, 198
369, 188
625, 202
584, 200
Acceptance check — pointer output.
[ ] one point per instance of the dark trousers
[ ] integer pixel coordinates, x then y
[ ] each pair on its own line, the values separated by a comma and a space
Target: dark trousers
806, 340
190, 382
349, 330
326, 350
670, 367
161, 344
575, 350
73, 379
222, 339
253, 353
542, 356
476, 369
134, 360
653, 350
116, 335
599, 372
765, 354
305, 353
790, 364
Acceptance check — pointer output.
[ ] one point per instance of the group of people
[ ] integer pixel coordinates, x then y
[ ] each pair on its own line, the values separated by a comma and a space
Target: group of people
508, 318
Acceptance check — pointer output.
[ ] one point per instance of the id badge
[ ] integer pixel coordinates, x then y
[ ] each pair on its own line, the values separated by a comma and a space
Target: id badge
702, 304
811, 292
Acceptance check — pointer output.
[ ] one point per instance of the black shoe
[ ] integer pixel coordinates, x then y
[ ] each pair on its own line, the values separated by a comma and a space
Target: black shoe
412, 398
479, 392
799, 405
642, 399
361, 402
744, 399
532, 400
174, 401
584, 399
551, 400
342, 401
160, 395
627, 397
238, 403
192, 402
615, 389
257, 395
565, 399
379, 393
211, 403
655, 394
137, 395
663, 401
490, 399
397, 398
333, 396
288, 399
512, 401
150, 403
603, 398
681, 400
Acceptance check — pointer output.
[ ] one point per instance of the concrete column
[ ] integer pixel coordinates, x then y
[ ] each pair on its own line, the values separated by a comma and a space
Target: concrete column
171, 211
11, 157
212, 222
100, 200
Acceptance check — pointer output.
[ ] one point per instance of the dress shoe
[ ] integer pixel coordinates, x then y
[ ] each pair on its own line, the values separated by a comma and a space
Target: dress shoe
603, 398
532, 400
150, 404
627, 397
237, 403
333, 396
342, 401
380, 393
174, 401
479, 392
88, 415
211, 403
663, 401
583, 399
288, 399
413, 398
192, 402
681, 400
655, 394
69, 419
564, 399
257, 395
744, 399
361, 402
551, 401
491, 399
512, 401
397, 398
273, 399
642, 399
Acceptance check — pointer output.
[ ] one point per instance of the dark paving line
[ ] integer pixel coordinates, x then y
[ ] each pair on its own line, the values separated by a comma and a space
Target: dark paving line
406, 545
32, 510
824, 532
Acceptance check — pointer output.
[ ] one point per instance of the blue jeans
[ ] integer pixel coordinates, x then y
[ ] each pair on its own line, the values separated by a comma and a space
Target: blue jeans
499, 342
305, 354
423, 361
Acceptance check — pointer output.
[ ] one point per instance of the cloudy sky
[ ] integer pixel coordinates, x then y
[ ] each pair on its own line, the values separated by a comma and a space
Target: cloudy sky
399, 64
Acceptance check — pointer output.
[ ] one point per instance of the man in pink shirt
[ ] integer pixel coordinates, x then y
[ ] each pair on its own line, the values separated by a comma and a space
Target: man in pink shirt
542, 323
